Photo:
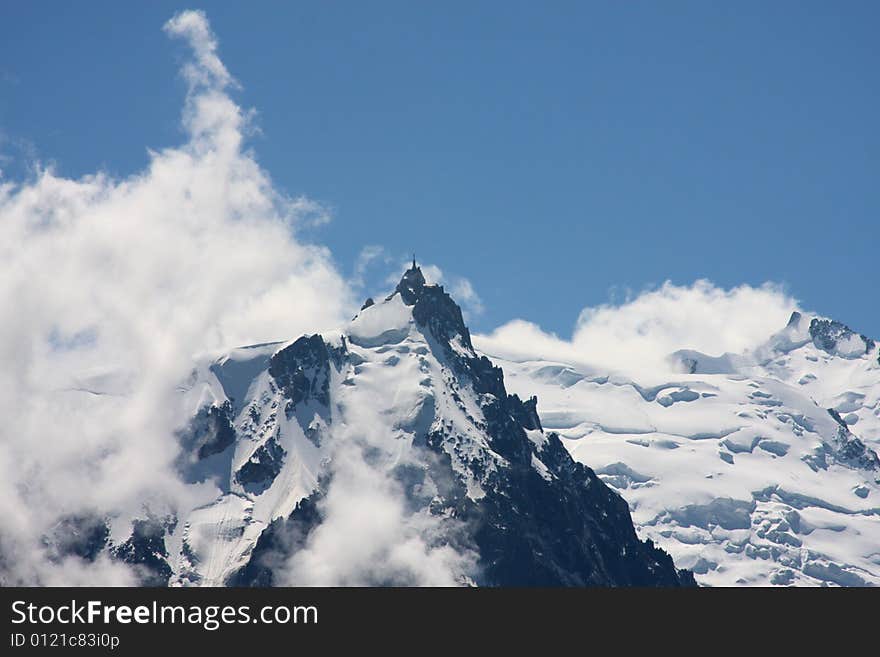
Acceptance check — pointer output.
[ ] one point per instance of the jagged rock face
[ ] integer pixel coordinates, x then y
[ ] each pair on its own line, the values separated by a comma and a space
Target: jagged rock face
302, 370
555, 524
411, 285
836, 338
441, 426
573, 532
210, 432
145, 549
850, 449
282, 537
263, 465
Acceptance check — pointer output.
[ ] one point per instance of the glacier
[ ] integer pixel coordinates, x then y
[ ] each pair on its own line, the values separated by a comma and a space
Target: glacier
755, 468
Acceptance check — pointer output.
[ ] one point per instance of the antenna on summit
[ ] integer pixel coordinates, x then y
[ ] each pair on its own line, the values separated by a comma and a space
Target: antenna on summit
414, 261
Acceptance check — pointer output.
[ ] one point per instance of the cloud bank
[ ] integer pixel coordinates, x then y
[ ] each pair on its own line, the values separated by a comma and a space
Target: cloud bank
109, 287
639, 334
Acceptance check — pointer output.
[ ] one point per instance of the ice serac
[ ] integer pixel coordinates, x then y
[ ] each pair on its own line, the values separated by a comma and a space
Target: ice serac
756, 468
403, 385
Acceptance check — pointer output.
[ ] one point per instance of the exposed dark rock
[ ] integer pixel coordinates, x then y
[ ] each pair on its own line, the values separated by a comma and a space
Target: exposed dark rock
207, 443
435, 310
411, 285
278, 541
826, 333
528, 414
210, 431
83, 536
263, 465
571, 531
145, 550
851, 450
302, 370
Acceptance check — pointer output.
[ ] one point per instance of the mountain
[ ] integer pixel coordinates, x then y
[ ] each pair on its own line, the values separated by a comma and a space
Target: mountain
749, 469
394, 420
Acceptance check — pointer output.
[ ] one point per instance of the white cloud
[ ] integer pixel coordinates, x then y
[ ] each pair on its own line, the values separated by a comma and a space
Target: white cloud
368, 257
369, 538
463, 292
640, 333
374, 529
205, 69
108, 287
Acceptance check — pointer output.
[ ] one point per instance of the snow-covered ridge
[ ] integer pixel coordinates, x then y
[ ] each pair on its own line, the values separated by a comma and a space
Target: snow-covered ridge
756, 468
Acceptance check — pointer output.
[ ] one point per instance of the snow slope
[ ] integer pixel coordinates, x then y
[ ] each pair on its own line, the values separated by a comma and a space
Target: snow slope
734, 464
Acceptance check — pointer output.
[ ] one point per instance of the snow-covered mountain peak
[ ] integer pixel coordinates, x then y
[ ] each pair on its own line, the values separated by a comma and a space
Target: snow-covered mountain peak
838, 339
414, 305
809, 336
388, 452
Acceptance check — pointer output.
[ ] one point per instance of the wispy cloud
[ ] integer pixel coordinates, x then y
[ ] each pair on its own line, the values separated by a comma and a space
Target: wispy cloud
369, 256
204, 70
196, 252
640, 332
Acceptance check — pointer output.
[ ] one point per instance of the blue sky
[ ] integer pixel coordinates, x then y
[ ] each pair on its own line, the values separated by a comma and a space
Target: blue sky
554, 154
